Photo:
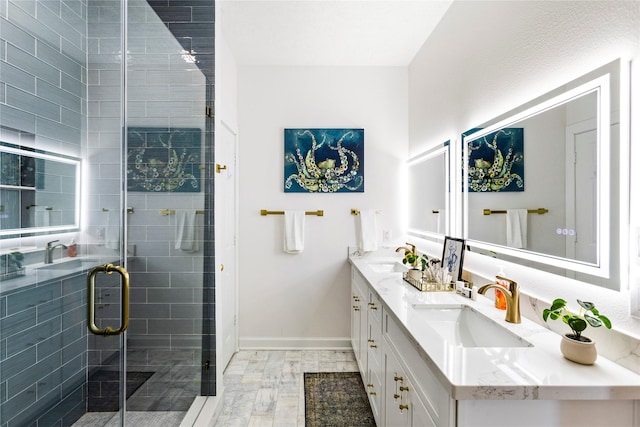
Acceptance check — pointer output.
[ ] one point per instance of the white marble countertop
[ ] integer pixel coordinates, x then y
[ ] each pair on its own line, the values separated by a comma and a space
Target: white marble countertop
537, 372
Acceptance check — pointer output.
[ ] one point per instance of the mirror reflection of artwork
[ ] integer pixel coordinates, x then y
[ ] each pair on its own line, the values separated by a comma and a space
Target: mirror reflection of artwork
164, 160
496, 161
323, 160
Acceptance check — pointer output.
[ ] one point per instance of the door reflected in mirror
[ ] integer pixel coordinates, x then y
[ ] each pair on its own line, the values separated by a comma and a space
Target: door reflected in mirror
428, 190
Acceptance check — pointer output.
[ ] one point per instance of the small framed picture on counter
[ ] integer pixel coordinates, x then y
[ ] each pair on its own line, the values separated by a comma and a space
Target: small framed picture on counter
453, 256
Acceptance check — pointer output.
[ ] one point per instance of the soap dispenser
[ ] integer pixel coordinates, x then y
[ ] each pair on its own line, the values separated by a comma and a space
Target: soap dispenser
500, 299
72, 248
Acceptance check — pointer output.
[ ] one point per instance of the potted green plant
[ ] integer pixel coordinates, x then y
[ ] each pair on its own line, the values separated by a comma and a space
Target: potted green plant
575, 346
412, 260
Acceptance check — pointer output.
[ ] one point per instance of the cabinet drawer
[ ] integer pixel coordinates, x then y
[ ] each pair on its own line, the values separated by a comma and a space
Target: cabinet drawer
374, 308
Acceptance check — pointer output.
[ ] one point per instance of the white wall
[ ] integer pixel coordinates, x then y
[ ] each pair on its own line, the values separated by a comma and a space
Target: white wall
303, 300
486, 58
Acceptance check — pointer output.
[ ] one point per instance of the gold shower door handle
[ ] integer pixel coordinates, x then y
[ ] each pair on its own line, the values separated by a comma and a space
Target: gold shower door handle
91, 282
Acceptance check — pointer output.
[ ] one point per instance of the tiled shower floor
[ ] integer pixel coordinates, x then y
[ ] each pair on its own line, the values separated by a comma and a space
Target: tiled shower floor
164, 398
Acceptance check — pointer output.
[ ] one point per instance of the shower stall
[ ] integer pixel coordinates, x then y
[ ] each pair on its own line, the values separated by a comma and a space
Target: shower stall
106, 143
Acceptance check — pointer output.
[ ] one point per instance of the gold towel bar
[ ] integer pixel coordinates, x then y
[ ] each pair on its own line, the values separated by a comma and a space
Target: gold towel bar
539, 211
129, 210
173, 212
265, 212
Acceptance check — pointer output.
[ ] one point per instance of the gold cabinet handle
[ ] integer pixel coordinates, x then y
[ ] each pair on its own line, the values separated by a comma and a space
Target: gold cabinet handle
396, 396
398, 379
220, 168
91, 283
403, 407
404, 388
356, 308
221, 267
372, 393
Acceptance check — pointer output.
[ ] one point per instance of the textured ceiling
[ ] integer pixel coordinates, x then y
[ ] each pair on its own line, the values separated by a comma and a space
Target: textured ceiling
328, 32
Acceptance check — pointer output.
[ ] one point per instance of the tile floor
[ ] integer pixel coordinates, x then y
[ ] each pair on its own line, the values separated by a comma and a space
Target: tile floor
262, 389
265, 388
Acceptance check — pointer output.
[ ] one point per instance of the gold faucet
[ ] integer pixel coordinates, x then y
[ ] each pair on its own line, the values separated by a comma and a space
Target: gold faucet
512, 295
411, 249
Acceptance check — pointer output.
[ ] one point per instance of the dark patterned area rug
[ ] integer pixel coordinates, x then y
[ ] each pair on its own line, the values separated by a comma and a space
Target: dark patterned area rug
336, 399
103, 389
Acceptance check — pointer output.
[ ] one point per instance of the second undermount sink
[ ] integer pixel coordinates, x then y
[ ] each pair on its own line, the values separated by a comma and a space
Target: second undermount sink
387, 266
69, 264
463, 326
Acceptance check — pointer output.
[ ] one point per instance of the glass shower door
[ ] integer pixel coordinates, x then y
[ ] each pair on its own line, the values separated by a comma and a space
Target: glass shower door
165, 167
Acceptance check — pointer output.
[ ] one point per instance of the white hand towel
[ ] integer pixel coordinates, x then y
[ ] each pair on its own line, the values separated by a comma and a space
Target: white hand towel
517, 228
368, 231
112, 232
186, 231
294, 231
42, 216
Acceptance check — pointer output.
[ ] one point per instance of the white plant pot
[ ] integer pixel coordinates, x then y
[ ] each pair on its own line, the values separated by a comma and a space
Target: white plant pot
578, 351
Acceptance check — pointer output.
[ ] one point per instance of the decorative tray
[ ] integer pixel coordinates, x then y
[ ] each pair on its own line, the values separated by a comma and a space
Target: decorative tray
426, 286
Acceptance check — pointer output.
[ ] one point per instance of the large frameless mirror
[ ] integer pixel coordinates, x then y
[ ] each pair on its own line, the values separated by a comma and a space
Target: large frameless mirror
543, 183
39, 191
428, 193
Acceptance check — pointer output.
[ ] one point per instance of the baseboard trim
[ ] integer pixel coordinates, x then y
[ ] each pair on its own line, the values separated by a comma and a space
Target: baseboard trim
272, 343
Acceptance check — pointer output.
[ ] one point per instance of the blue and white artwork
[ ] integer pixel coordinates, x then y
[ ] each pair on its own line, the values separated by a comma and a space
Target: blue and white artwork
323, 160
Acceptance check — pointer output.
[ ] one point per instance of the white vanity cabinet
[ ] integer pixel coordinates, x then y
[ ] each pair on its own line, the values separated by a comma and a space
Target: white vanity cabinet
366, 337
414, 378
397, 396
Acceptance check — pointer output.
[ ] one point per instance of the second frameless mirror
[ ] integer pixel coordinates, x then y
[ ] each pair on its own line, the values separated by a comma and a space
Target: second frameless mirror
428, 189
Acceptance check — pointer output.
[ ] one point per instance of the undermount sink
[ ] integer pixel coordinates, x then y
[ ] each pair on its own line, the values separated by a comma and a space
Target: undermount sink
462, 326
387, 266
69, 264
